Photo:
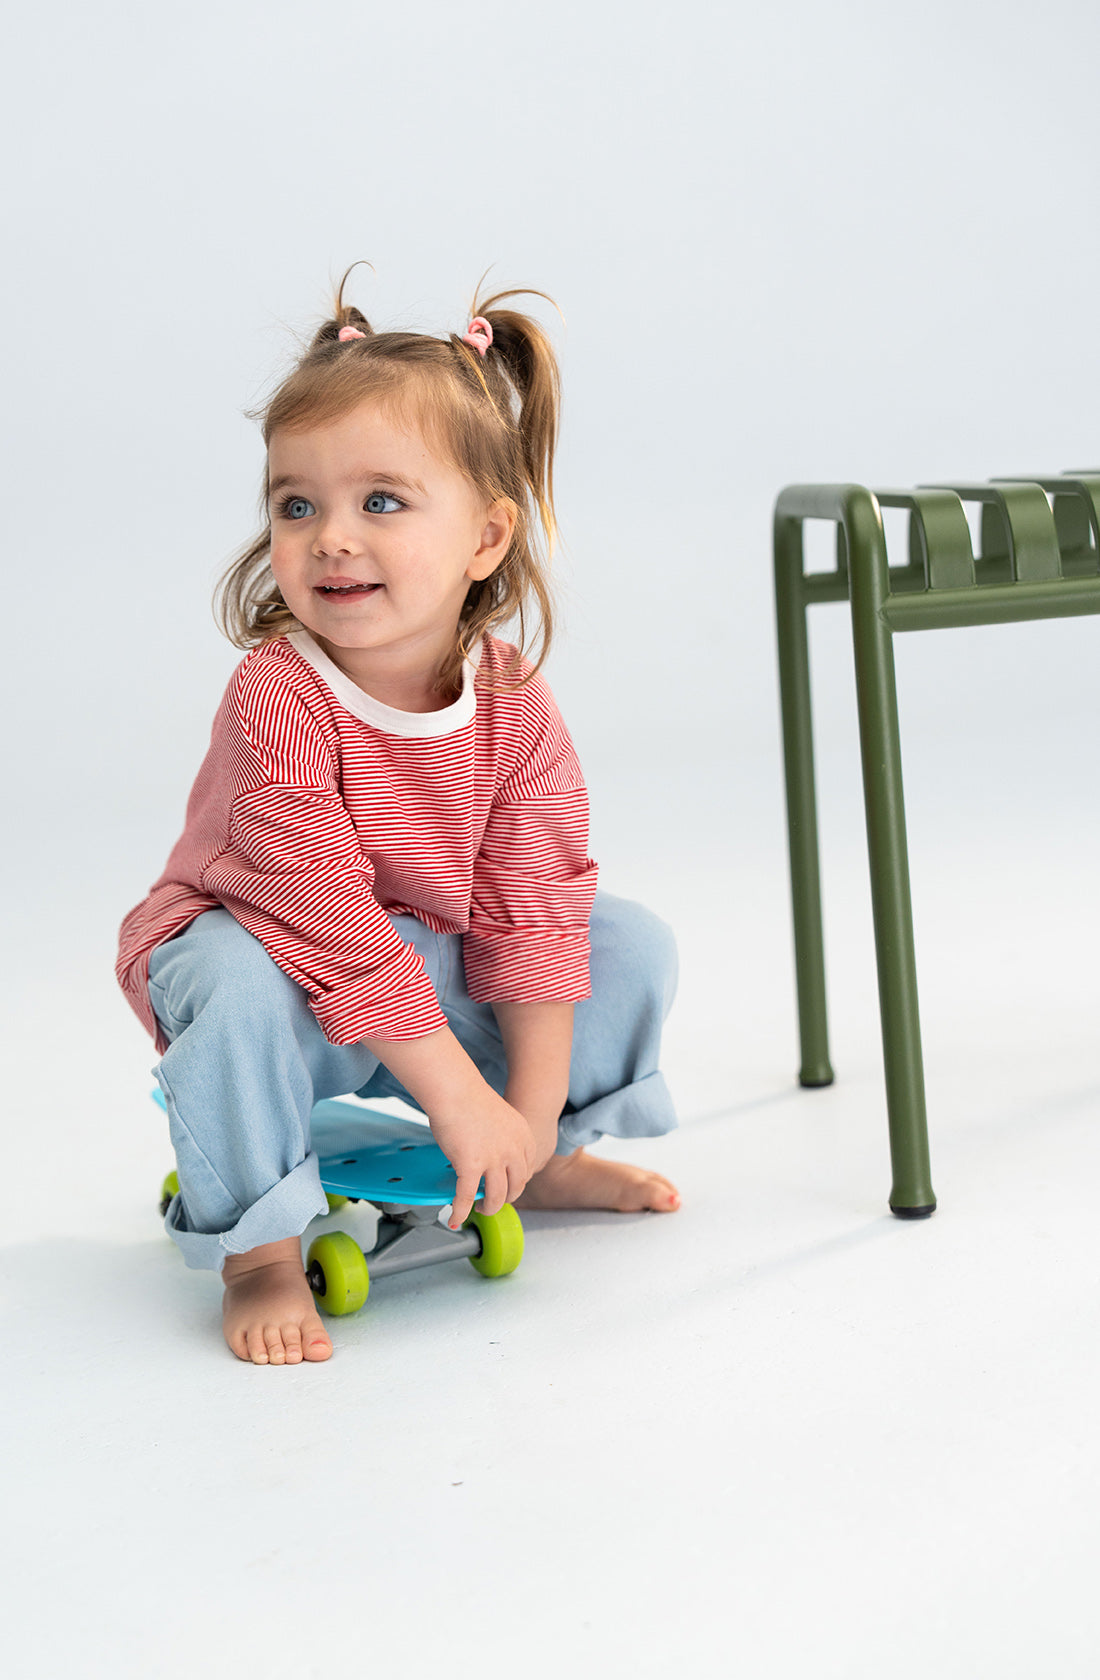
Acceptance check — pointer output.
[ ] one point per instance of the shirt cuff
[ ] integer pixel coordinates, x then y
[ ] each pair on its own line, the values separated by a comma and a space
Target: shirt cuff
525, 967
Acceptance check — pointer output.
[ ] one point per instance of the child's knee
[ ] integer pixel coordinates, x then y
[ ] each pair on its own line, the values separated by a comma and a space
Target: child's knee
217, 962
638, 947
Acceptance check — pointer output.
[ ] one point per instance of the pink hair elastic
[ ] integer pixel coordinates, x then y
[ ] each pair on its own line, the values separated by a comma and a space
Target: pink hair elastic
479, 333
347, 333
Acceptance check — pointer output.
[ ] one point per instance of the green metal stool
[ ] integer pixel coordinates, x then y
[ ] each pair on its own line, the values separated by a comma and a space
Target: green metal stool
1039, 558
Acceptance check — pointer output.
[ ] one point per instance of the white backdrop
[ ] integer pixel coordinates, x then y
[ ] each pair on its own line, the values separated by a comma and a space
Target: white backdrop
790, 242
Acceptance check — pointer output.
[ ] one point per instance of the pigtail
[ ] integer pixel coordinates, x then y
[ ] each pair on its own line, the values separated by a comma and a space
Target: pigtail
522, 351
343, 315
518, 373
346, 315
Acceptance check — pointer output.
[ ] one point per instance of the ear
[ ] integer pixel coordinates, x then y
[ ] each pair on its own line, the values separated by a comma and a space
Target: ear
496, 534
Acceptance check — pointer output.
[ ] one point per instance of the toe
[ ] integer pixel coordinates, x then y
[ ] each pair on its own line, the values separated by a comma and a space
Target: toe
317, 1345
292, 1343
257, 1347
273, 1341
667, 1197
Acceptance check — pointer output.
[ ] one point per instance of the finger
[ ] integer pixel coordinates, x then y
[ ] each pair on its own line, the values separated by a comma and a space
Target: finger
462, 1206
518, 1180
496, 1191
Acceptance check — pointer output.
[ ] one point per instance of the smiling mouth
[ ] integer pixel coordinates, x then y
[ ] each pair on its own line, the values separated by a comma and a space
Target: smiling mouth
346, 590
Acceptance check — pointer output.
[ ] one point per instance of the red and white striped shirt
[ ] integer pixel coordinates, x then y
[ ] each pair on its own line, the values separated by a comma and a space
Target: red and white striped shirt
317, 809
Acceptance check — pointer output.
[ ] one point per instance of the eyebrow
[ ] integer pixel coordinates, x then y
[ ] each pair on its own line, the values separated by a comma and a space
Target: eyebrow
386, 480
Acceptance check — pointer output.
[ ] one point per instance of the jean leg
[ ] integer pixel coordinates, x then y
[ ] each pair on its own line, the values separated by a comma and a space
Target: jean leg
616, 1088
246, 1062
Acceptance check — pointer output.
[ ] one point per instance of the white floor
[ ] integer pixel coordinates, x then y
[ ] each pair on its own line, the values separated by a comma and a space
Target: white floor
781, 1433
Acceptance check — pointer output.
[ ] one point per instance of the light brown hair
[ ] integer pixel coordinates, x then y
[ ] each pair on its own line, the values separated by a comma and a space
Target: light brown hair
495, 418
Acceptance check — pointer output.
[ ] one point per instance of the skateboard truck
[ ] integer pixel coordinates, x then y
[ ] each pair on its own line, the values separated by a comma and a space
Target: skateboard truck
407, 1238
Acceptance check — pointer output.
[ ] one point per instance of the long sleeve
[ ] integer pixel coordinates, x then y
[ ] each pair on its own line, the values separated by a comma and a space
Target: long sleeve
294, 872
533, 881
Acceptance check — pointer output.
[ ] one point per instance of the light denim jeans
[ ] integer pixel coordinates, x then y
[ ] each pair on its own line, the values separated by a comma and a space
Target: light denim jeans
247, 1061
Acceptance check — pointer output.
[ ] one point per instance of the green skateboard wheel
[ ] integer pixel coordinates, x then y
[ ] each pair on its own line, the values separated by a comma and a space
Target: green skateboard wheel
168, 1189
501, 1241
337, 1273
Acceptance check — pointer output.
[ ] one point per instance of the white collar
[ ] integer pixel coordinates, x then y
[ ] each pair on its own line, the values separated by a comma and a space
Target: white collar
387, 718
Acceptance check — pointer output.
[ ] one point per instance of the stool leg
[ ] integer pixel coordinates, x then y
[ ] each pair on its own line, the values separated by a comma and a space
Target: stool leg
912, 1196
798, 760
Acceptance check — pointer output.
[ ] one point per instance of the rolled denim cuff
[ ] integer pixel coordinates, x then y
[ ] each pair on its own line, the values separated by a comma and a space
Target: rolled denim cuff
283, 1211
643, 1109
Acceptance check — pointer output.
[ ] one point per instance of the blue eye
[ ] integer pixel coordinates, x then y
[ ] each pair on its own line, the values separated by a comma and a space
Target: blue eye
296, 507
377, 500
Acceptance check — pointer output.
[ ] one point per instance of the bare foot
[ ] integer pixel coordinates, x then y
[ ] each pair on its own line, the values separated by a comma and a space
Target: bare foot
590, 1181
268, 1314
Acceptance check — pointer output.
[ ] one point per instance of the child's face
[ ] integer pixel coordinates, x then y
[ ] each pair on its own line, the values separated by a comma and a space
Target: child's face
375, 540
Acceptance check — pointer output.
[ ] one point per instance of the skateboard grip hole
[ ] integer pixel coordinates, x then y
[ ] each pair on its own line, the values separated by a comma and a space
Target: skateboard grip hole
393, 1181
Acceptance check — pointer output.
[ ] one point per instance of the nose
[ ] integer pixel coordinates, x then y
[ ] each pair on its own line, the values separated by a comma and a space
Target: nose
335, 534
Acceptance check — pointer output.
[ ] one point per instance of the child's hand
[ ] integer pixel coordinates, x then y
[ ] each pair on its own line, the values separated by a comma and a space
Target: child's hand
480, 1134
488, 1139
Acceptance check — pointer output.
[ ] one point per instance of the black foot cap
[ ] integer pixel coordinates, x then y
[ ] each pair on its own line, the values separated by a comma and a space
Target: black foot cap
914, 1212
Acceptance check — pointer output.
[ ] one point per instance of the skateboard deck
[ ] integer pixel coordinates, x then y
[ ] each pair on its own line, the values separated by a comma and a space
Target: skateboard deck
371, 1156
390, 1159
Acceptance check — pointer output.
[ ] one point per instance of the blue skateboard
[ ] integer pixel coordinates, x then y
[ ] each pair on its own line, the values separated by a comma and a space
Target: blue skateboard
397, 1166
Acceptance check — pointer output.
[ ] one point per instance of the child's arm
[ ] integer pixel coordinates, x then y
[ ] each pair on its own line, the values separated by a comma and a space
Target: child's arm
538, 1041
480, 1133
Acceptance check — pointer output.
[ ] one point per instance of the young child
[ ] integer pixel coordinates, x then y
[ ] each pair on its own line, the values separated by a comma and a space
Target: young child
383, 884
